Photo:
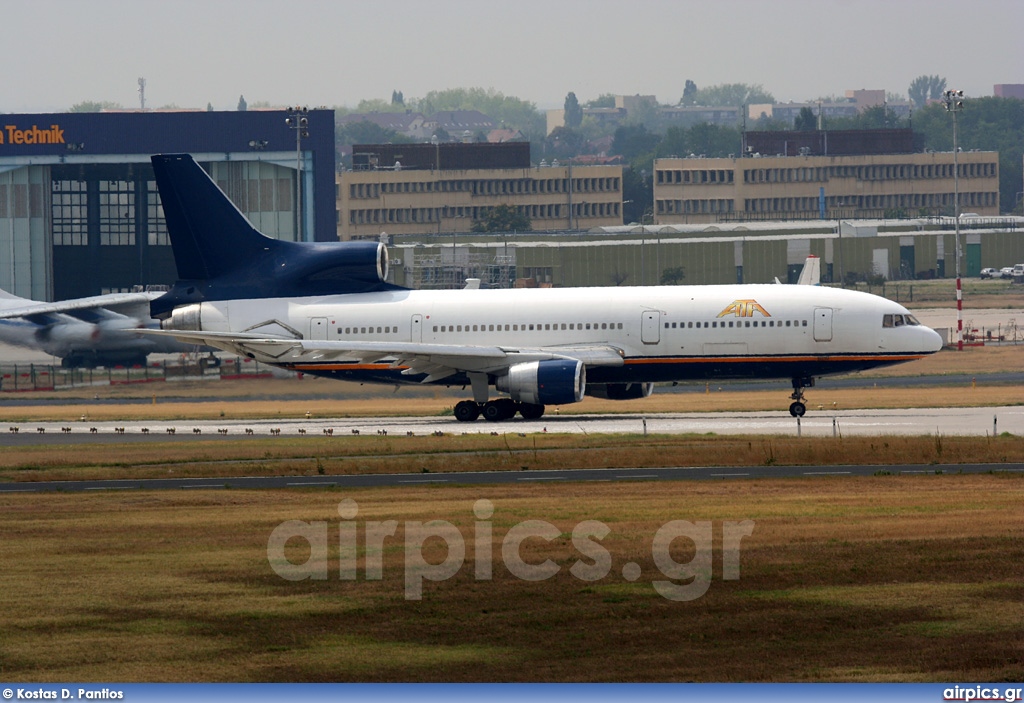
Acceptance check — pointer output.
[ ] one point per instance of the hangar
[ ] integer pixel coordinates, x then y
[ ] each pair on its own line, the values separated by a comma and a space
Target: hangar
79, 210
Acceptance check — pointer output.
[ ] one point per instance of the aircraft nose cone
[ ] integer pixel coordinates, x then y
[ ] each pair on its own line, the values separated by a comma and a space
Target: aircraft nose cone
933, 341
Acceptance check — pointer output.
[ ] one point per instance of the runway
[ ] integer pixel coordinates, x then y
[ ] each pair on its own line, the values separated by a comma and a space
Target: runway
469, 478
983, 421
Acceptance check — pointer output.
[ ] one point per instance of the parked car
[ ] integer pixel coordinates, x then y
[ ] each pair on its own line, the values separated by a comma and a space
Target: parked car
989, 273
1006, 272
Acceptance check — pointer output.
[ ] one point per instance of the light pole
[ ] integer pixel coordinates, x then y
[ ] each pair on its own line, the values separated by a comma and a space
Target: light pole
954, 102
298, 119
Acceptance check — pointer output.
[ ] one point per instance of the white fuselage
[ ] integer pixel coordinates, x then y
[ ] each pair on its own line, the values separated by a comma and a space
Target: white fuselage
665, 332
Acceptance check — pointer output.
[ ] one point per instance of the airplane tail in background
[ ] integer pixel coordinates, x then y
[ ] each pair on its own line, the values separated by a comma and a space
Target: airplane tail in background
810, 274
221, 256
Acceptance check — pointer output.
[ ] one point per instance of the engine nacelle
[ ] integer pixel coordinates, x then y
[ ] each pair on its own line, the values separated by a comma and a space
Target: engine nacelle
553, 382
187, 318
620, 391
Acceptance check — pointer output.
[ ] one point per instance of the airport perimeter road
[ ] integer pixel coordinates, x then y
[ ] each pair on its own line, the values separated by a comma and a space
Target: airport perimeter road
917, 421
676, 473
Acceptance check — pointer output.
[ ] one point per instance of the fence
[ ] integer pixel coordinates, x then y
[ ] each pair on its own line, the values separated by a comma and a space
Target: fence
41, 377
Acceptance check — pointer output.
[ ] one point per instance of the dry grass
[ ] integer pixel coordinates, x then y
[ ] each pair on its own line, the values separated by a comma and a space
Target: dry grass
375, 455
875, 579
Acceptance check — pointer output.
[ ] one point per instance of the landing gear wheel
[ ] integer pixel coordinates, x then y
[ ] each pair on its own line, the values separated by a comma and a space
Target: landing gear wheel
531, 411
467, 411
797, 408
499, 410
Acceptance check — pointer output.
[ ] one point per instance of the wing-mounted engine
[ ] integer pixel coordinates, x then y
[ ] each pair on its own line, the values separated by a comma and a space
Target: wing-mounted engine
620, 391
551, 382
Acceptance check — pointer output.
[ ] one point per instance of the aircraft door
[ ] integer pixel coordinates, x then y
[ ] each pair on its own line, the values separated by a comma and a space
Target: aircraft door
822, 324
650, 327
416, 328
318, 328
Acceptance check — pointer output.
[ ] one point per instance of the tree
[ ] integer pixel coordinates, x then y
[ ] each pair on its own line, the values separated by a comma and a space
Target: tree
573, 111
924, 87
689, 93
397, 98
564, 143
673, 276
805, 121
502, 218
209, 107
733, 95
603, 100
91, 106
512, 112
242, 107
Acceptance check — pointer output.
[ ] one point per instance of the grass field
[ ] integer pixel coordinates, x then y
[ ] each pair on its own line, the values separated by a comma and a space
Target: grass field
883, 578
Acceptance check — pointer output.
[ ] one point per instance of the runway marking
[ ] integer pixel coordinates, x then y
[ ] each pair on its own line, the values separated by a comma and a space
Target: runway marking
111, 488
824, 473
542, 478
207, 485
18, 490
728, 474
637, 476
313, 483
426, 480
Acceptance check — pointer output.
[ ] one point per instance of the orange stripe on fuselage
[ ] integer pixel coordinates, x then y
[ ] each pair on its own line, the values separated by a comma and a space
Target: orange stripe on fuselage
652, 361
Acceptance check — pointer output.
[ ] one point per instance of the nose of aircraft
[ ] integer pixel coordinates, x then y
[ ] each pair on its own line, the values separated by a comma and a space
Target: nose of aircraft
932, 340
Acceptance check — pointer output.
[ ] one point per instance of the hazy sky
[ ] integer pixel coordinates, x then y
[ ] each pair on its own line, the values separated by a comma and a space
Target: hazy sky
56, 53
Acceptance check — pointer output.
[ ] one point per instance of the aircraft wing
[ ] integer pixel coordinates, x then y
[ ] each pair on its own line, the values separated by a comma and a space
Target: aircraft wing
436, 361
114, 302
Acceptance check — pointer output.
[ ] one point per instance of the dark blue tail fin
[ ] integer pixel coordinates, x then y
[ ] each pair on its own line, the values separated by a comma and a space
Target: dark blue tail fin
221, 256
210, 237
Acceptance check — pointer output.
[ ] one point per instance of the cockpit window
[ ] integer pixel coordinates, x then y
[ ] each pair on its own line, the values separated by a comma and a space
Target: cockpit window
899, 320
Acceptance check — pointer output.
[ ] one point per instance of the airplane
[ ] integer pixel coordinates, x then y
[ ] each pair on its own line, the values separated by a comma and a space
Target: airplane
100, 330
328, 310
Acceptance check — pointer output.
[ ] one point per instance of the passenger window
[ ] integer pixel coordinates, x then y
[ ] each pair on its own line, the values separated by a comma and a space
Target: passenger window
604, 325
588, 325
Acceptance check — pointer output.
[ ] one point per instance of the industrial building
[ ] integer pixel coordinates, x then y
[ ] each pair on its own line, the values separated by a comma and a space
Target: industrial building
444, 188
824, 175
79, 210
739, 252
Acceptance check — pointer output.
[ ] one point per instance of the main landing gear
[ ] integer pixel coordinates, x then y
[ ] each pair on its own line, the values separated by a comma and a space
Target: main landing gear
797, 408
497, 410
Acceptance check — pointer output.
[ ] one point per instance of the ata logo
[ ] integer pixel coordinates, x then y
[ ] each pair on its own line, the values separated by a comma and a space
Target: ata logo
743, 308
33, 135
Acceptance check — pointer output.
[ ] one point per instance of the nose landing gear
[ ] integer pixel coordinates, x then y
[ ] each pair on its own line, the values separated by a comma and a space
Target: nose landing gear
797, 408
